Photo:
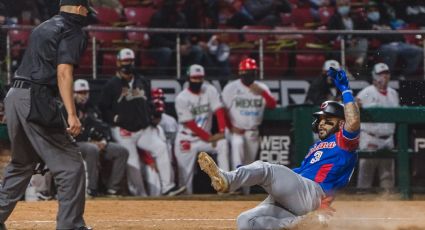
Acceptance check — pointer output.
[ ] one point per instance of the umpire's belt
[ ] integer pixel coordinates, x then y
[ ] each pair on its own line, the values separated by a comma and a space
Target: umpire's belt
21, 84
380, 137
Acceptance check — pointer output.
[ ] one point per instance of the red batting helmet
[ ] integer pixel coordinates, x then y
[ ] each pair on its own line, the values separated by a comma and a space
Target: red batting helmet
157, 93
247, 64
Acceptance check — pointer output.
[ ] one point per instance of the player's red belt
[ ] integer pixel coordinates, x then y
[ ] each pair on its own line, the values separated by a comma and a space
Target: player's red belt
380, 137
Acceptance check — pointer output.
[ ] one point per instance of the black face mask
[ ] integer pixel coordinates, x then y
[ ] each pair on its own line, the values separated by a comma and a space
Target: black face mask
75, 18
195, 86
248, 78
127, 69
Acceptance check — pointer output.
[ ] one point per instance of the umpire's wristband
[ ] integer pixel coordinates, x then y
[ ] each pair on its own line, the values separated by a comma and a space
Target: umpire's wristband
347, 96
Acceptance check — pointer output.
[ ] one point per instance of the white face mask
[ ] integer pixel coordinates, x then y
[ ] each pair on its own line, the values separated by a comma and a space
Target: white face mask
373, 16
343, 10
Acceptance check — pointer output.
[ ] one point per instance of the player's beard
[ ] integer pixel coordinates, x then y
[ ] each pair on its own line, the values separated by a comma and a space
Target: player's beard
323, 134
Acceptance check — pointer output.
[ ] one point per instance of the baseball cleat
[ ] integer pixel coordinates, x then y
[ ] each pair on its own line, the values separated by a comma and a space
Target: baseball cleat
207, 164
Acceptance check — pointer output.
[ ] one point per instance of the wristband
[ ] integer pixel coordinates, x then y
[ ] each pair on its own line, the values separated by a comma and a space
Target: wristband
347, 96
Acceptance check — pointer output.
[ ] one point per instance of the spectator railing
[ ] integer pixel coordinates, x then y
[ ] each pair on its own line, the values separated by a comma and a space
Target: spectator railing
260, 51
301, 119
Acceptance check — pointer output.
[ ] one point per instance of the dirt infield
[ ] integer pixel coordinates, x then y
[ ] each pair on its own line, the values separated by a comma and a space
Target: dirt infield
216, 214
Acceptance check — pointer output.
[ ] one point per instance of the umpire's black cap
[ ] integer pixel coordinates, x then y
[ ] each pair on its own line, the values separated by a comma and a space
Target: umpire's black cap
84, 3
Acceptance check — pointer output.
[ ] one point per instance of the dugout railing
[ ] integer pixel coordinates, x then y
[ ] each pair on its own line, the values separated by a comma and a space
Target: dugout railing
301, 119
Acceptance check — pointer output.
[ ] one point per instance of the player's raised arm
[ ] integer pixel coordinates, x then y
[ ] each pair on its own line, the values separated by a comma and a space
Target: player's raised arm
351, 110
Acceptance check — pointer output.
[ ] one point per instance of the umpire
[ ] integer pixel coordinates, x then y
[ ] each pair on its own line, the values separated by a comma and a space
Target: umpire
36, 127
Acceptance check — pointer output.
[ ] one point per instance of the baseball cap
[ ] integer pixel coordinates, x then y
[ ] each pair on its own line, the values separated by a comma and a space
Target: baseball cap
380, 68
125, 54
331, 63
84, 3
196, 71
81, 85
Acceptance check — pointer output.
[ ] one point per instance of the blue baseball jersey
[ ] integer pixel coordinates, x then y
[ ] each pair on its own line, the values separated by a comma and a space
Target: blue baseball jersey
331, 162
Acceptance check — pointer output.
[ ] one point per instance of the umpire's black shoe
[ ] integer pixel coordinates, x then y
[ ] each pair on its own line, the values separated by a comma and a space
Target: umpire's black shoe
3, 226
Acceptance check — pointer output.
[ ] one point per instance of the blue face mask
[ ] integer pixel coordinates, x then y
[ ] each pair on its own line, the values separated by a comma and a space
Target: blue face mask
343, 10
373, 16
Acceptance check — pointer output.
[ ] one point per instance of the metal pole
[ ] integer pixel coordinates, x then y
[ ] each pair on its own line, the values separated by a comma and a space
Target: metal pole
94, 58
178, 56
423, 56
343, 53
8, 59
261, 51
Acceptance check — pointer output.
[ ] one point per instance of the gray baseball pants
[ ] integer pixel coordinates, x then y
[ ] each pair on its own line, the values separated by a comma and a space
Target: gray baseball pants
113, 152
31, 143
290, 195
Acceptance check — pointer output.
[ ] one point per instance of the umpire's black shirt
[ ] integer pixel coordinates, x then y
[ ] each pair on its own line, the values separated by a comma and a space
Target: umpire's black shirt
59, 40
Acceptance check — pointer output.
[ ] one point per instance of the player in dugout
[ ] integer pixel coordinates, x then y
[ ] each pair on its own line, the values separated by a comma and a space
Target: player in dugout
295, 193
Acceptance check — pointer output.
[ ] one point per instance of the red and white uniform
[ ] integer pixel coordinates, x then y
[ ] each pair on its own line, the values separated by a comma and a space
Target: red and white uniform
195, 112
245, 110
375, 136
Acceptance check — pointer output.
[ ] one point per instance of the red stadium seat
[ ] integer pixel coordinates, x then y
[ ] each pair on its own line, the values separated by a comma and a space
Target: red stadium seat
85, 65
140, 16
309, 64
302, 17
325, 13
256, 37
109, 60
138, 37
19, 36
146, 60
275, 65
107, 16
107, 38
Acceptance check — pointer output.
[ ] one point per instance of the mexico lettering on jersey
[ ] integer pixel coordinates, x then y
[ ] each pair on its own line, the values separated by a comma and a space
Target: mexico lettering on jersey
245, 109
330, 162
198, 107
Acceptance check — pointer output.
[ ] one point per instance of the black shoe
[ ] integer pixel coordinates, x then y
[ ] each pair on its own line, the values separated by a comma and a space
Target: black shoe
175, 191
43, 196
92, 193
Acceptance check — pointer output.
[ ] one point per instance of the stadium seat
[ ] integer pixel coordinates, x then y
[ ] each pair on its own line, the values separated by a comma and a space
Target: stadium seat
286, 19
139, 37
256, 37
107, 38
275, 65
302, 17
309, 64
140, 16
109, 60
325, 13
106, 16
234, 59
85, 65
146, 60
19, 36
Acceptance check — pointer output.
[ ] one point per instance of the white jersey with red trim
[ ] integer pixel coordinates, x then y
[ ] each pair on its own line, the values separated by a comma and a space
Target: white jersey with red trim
371, 97
245, 109
198, 107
